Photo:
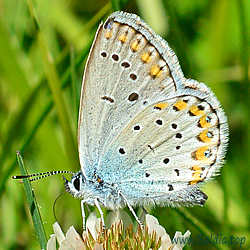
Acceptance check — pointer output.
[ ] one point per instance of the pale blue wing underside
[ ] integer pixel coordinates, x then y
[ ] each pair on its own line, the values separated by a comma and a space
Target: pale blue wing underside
142, 125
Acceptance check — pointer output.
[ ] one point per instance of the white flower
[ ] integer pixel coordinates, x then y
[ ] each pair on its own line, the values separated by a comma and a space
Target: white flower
177, 243
95, 239
72, 240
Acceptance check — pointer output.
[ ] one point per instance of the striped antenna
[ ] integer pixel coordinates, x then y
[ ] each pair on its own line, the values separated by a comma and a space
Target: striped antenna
41, 175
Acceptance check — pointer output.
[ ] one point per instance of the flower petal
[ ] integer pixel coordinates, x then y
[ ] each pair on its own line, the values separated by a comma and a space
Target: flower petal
58, 232
74, 238
151, 223
51, 244
166, 241
179, 240
91, 224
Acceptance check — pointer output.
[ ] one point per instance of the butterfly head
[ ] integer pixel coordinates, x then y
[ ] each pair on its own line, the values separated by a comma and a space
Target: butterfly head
76, 185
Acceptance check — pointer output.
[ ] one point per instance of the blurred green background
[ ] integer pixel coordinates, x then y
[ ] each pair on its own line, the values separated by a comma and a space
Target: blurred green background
43, 49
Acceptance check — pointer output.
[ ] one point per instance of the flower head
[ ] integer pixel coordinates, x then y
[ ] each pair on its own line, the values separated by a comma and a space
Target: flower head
154, 236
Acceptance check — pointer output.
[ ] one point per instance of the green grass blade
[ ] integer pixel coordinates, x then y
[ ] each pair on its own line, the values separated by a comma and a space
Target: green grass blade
118, 4
35, 214
55, 88
31, 133
26, 141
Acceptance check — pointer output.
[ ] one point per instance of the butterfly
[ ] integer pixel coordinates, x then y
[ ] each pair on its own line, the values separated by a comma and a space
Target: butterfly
146, 134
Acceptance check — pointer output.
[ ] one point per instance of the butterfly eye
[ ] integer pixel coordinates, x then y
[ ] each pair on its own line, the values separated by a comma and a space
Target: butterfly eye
76, 183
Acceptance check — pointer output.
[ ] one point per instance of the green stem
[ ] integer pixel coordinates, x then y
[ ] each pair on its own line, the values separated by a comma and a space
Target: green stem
35, 214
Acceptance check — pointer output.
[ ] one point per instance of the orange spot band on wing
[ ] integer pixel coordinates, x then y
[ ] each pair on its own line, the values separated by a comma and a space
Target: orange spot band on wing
146, 57
161, 105
196, 110
155, 71
108, 34
195, 181
205, 122
180, 105
202, 154
196, 175
135, 46
123, 38
205, 136
196, 168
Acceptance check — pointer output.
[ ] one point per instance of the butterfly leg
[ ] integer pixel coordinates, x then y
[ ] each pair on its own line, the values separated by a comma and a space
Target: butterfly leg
83, 214
100, 211
92, 202
131, 210
86, 201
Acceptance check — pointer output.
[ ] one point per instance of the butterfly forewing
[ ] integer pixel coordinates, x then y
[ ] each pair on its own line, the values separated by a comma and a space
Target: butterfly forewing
123, 75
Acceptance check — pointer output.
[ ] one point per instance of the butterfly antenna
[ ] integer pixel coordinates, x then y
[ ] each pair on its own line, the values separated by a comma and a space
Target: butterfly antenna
41, 175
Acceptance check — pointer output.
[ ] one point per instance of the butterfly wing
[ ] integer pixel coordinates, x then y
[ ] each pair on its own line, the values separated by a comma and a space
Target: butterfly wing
142, 125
